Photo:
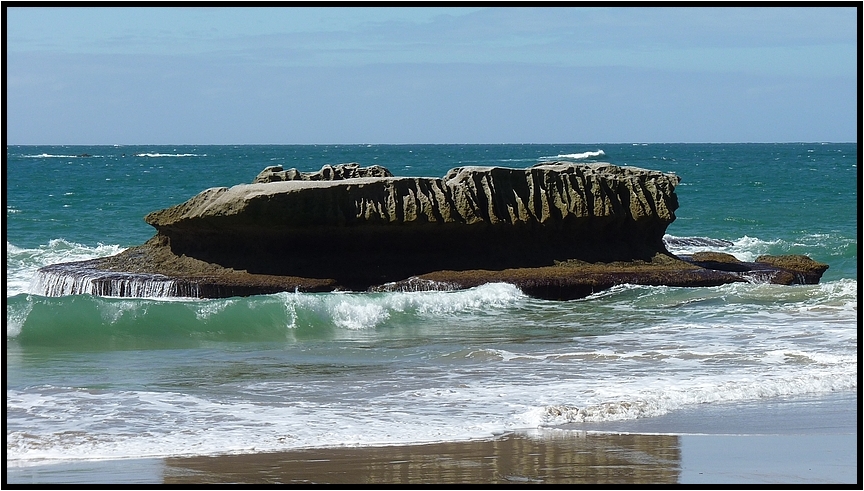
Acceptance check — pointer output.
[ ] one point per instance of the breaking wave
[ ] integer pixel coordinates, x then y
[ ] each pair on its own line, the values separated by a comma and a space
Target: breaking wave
839, 251
51, 156
170, 155
576, 156
106, 321
22, 263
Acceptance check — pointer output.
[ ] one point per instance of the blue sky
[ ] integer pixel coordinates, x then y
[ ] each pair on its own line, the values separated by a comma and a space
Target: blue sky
430, 75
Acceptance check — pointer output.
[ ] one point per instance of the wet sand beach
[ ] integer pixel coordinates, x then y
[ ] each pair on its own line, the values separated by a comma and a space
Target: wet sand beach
801, 441
568, 457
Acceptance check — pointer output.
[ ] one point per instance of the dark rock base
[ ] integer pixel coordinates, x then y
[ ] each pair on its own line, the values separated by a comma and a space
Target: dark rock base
152, 269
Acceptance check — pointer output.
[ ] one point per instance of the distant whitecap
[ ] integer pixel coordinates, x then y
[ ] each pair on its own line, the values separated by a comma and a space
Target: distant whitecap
576, 156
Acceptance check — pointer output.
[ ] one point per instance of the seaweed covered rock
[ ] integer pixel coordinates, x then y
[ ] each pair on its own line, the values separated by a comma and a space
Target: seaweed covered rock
718, 261
806, 270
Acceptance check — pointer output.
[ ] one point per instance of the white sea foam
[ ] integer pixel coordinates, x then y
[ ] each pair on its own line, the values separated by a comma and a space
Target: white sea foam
744, 248
576, 156
169, 155
675, 362
748, 248
366, 311
73, 419
660, 400
49, 156
22, 263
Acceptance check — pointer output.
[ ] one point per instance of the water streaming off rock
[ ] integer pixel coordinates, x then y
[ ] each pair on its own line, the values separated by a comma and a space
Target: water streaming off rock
59, 280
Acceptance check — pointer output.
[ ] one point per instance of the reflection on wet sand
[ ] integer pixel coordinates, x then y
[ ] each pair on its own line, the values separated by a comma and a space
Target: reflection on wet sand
547, 457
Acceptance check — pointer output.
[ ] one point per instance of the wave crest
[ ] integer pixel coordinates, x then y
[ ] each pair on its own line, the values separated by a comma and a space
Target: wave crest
576, 156
365, 311
112, 321
22, 263
148, 154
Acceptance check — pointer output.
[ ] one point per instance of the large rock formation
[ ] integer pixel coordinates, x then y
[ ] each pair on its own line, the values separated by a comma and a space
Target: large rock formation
370, 230
556, 230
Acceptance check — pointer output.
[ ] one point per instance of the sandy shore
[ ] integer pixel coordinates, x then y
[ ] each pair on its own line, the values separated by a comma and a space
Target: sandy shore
806, 441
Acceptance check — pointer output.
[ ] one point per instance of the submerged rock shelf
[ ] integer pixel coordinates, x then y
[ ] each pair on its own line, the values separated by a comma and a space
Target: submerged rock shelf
556, 230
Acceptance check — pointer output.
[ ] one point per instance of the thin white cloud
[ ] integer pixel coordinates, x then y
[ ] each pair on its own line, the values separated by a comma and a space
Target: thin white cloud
802, 41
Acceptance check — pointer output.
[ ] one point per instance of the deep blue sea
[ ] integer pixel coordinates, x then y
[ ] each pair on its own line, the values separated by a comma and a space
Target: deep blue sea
113, 378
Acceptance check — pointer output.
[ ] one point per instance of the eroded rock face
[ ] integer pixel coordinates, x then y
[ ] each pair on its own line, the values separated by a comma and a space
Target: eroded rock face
368, 230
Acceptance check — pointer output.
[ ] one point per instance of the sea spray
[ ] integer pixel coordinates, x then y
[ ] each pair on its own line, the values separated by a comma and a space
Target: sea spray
22, 263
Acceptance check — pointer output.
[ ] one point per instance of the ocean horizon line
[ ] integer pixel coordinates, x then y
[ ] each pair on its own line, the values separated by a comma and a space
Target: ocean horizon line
820, 142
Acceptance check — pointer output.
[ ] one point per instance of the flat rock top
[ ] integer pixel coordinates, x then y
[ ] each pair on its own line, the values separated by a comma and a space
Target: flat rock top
600, 168
453, 177
472, 194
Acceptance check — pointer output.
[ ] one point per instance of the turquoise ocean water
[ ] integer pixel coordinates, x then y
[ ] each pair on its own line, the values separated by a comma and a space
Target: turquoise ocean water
113, 378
